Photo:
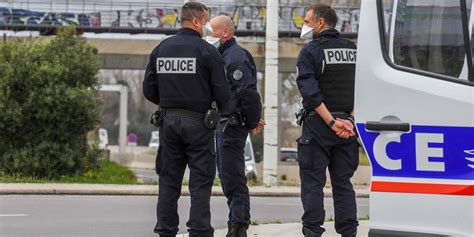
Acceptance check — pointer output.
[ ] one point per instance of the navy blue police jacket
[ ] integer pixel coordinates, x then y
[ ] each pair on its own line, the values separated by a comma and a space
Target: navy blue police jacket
186, 72
242, 76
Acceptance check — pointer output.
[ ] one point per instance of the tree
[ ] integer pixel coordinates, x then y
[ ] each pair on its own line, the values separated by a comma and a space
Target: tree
48, 103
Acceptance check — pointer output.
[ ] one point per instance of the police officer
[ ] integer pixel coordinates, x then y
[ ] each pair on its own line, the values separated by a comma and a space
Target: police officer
326, 72
184, 76
242, 116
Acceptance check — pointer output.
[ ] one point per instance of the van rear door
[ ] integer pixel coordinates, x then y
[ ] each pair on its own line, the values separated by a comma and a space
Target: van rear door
415, 115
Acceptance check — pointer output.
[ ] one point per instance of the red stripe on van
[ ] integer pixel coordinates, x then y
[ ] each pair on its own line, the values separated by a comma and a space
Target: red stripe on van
423, 188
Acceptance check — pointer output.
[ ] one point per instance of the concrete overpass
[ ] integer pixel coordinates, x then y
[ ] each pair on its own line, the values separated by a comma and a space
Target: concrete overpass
133, 53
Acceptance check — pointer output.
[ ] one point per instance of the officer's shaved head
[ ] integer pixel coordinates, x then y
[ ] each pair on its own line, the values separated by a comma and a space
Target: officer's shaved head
222, 22
193, 10
223, 27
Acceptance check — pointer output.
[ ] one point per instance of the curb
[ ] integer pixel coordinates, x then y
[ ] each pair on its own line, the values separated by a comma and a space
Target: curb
143, 190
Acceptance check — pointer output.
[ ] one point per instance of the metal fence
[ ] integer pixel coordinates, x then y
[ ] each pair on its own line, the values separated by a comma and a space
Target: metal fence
146, 17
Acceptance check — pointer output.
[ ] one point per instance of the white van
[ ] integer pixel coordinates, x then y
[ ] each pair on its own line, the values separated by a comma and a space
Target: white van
414, 107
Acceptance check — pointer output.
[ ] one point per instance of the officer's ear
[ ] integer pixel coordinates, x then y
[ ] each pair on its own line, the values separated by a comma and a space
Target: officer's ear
226, 32
322, 23
195, 22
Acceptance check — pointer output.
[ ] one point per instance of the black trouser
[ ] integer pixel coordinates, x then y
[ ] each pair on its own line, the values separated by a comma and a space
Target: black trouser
231, 167
185, 141
318, 149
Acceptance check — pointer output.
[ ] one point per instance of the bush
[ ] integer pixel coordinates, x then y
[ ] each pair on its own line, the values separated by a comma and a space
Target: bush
48, 103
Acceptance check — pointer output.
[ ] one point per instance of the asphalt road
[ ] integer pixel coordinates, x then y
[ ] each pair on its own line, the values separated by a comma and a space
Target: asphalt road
126, 215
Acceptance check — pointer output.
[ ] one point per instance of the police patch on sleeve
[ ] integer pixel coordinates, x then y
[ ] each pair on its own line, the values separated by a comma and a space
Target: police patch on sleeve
237, 75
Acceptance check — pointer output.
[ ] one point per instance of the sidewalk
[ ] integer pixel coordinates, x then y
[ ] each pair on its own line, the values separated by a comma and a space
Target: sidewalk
144, 190
289, 230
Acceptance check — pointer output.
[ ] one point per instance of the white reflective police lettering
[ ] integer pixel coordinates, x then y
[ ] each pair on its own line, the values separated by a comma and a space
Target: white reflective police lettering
176, 65
380, 153
424, 152
340, 56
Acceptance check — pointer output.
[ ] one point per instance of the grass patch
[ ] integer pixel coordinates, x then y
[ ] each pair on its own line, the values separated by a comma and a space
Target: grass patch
329, 219
254, 182
108, 173
216, 182
254, 222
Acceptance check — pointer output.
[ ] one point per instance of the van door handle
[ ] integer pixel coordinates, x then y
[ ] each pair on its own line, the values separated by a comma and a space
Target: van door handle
379, 126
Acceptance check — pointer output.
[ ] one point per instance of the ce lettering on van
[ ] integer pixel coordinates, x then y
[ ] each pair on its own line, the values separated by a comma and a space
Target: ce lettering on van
425, 152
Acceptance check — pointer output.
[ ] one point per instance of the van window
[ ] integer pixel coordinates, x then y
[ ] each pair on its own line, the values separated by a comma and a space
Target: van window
426, 35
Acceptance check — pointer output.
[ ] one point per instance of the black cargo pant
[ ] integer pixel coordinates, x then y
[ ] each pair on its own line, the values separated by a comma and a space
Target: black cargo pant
319, 148
185, 141
231, 167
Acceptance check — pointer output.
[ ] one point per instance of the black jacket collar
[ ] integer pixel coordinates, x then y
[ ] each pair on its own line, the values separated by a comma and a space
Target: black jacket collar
227, 45
188, 31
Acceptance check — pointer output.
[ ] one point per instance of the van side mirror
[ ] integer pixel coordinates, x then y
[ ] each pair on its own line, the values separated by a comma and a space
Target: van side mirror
258, 157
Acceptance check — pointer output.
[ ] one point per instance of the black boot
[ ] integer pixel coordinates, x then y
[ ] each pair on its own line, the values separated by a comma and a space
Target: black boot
309, 233
236, 230
353, 234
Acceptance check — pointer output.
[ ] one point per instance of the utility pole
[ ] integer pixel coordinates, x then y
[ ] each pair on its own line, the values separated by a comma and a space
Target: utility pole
270, 137
123, 121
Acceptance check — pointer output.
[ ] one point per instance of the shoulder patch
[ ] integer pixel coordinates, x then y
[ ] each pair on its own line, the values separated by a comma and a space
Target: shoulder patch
237, 75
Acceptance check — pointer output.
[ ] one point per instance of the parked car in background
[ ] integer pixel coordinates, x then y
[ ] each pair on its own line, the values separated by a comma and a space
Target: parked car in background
154, 140
251, 159
288, 154
103, 139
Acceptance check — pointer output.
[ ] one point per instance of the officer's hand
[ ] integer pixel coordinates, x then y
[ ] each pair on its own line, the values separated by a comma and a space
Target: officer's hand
348, 125
255, 131
259, 127
261, 123
342, 129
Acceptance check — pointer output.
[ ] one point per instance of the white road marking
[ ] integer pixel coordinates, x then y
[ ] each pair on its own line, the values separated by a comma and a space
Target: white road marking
13, 215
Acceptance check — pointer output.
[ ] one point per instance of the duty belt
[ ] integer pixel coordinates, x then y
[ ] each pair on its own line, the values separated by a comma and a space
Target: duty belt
335, 113
235, 119
184, 113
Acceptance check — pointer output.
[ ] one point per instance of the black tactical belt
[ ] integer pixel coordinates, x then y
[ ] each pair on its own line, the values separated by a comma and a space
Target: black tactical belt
184, 113
336, 113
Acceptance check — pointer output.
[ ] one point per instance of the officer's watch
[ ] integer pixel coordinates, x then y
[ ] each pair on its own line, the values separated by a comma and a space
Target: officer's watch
330, 124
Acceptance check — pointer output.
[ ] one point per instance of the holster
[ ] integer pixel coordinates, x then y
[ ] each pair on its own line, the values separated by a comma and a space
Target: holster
212, 116
237, 119
211, 119
157, 117
300, 116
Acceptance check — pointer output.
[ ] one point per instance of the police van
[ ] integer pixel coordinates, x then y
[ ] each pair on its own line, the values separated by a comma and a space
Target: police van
414, 104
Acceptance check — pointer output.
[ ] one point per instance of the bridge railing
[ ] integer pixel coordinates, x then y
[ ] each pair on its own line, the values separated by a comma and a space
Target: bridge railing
145, 17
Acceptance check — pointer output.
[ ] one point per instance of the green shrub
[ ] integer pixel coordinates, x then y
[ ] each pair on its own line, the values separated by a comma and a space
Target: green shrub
48, 103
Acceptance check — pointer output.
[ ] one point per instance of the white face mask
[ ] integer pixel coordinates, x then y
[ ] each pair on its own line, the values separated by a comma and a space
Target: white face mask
206, 30
306, 32
214, 41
